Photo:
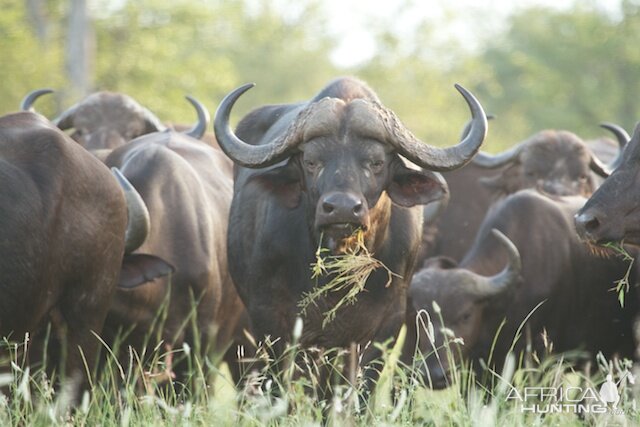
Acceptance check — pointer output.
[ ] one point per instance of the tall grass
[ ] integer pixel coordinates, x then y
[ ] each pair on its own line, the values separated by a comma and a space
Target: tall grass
122, 395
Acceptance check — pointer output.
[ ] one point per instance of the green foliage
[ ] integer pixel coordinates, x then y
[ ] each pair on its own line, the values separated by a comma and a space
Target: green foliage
622, 285
569, 69
158, 51
566, 69
26, 63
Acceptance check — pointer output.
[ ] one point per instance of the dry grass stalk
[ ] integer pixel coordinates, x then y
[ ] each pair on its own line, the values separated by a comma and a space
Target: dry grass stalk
349, 272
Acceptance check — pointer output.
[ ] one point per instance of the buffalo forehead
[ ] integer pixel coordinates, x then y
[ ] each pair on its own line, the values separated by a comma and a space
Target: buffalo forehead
563, 142
111, 103
557, 147
324, 118
332, 116
114, 116
365, 121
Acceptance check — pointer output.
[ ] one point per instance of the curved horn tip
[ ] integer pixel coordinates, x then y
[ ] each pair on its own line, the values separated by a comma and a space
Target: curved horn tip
193, 100
474, 105
115, 170
502, 237
608, 125
30, 98
199, 106
235, 94
118, 174
507, 243
463, 91
138, 223
617, 130
124, 182
224, 109
204, 118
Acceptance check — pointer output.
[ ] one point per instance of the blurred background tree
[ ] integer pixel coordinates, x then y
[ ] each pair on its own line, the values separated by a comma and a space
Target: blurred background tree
569, 70
543, 68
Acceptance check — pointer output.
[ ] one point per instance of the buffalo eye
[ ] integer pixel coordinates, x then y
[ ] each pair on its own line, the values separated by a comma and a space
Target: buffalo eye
311, 165
376, 166
465, 317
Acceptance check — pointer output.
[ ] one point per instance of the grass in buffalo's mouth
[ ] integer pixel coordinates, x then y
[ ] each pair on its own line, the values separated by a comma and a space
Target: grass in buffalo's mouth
349, 273
621, 285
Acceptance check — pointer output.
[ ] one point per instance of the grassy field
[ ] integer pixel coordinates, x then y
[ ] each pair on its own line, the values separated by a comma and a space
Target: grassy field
122, 395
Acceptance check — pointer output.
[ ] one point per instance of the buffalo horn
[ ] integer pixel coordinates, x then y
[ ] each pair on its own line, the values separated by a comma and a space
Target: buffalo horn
65, 120
27, 101
434, 158
204, 118
622, 137
252, 156
138, 224
510, 275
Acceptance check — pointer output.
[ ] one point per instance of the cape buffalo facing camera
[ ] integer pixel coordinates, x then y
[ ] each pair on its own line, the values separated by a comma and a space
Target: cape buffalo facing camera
311, 174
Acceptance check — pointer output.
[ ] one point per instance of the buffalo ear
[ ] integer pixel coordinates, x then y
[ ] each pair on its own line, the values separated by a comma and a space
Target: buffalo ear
138, 269
508, 181
283, 182
493, 183
410, 187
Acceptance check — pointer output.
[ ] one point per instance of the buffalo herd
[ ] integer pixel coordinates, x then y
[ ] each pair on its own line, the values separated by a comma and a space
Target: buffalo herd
117, 229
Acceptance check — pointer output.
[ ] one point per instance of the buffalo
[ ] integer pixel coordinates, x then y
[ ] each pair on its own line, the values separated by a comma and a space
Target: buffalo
66, 225
555, 279
610, 215
310, 174
187, 187
557, 162
104, 120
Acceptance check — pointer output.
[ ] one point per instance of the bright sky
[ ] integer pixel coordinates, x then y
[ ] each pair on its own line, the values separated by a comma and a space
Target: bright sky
350, 19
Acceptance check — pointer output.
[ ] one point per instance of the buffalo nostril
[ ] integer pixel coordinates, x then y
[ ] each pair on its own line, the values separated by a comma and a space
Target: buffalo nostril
327, 207
358, 209
588, 222
592, 224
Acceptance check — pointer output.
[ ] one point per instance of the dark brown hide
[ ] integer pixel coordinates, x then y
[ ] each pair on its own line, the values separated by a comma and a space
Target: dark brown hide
612, 214
187, 187
61, 236
579, 311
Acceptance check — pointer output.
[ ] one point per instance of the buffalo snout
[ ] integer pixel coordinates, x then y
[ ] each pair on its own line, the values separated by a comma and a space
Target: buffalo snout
439, 378
593, 226
338, 216
586, 223
341, 208
434, 373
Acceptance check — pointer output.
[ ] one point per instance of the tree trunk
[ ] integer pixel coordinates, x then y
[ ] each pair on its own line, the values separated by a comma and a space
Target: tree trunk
80, 50
38, 20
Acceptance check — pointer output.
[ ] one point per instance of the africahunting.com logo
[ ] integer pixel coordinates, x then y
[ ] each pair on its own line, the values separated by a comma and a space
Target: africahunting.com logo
577, 400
